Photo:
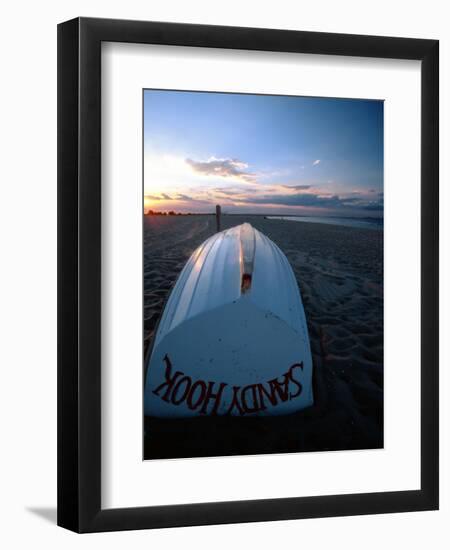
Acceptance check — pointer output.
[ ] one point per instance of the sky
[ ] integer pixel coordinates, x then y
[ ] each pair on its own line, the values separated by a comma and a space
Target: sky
262, 154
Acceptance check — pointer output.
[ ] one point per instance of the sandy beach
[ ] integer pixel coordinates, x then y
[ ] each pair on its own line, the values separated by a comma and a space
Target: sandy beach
339, 271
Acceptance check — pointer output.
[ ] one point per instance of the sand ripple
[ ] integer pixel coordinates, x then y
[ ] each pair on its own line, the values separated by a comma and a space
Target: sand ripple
340, 274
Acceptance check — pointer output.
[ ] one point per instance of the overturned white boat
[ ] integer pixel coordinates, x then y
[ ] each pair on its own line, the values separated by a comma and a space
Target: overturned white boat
233, 337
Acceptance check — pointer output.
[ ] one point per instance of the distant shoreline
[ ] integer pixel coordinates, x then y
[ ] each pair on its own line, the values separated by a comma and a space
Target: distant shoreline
362, 223
369, 222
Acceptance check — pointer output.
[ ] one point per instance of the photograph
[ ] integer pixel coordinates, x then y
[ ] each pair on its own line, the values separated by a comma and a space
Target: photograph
248, 273
263, 239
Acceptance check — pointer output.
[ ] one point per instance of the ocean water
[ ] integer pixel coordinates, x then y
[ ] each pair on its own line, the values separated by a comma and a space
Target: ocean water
367, 223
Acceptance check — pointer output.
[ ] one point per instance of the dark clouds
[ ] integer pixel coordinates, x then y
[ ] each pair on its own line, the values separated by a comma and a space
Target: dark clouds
182, 197
298, 199
332, 202
153, 197
318, 201
297, 187
225, 191
166, 197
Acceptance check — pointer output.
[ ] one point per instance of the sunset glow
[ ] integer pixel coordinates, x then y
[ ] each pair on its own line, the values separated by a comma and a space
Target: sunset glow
262, 154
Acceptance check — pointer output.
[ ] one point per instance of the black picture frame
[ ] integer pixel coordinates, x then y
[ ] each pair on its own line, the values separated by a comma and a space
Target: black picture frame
79, 274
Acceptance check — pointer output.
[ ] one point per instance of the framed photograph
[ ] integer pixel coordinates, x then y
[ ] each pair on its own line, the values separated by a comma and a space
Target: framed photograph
247, 276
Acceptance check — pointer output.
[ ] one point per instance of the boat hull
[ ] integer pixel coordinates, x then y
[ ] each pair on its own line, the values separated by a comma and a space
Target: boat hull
212, 365
233, 338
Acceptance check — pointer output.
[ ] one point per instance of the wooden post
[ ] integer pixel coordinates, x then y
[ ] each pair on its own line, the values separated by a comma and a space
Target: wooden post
218, 212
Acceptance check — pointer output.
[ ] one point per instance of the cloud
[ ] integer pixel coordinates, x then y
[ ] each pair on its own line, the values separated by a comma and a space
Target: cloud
297, 187
316, 162
317, 200
153, 197
225, 191
224, 168
166, 197
299, 199
182, 197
